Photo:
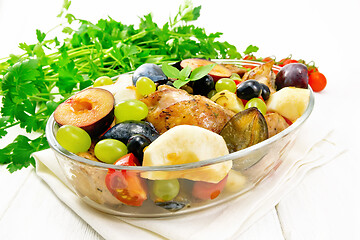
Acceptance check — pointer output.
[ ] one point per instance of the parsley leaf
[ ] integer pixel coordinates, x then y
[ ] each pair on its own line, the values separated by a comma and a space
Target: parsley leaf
251, 49
33, 83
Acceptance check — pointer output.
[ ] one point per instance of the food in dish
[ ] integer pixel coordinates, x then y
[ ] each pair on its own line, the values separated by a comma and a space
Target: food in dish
183, 126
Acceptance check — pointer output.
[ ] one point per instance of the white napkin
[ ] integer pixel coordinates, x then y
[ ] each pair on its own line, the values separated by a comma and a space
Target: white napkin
312, 149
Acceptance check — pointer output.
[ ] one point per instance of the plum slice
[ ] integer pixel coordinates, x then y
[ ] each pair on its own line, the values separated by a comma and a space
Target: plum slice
216, 73
245, 129
91, 109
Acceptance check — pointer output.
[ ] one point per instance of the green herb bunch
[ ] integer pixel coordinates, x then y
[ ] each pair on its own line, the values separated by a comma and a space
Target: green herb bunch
34, 83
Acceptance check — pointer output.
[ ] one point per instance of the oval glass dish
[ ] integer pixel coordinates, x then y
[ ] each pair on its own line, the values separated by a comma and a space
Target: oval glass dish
250, 166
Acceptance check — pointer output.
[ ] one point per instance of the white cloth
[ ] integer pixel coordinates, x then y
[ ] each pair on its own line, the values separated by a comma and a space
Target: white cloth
312, 149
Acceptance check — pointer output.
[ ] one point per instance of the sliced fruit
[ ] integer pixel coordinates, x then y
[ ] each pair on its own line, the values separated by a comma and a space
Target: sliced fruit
123, 89
228, 100
91, 109
186, 144
216, 73
206, 190
289, 102
245, 129
125, 185
235, 182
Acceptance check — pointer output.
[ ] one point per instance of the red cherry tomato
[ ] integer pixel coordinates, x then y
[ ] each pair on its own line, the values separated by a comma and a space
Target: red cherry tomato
126, 186
206, 190
312, 69
249, 57
281, 62
244, 101
237, 82
286, 61
267, 59
317, 81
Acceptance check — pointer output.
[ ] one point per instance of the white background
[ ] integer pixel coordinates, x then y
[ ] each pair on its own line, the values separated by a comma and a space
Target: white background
324, 206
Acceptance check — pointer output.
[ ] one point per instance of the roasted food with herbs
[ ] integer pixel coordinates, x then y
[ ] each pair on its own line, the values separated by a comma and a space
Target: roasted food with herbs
157, 120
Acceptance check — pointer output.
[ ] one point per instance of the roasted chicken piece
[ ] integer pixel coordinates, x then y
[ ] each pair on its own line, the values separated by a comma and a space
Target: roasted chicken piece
275, 122
262, 74
169, 107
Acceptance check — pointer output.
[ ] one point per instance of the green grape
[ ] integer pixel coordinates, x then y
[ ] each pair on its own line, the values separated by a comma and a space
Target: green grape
130, 110
145, 86
235, 76
225, 84
211, 93
73, 139
110, 150
258, 103
166, 189
102, 81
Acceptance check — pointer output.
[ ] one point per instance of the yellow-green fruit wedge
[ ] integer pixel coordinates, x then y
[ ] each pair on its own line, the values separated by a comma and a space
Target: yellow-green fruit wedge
228, 100
290, 102
187, 144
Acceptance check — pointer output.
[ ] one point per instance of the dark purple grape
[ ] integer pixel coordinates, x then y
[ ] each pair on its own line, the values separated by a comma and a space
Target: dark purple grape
151, 71
125, 130
249, 89
203, 86
136, 145
292, 75
265, 92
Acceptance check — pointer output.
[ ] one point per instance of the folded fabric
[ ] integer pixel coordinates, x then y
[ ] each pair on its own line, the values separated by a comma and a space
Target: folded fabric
226, 221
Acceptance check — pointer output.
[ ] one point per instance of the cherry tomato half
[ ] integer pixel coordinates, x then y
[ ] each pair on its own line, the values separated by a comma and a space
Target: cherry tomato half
317, 81
206, 190
126, 186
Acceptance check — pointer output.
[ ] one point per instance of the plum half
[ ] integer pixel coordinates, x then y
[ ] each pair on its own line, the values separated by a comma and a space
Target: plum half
216, 73
91, 109
245, 129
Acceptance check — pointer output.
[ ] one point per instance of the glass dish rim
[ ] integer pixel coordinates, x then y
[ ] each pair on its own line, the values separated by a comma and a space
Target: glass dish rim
54, 145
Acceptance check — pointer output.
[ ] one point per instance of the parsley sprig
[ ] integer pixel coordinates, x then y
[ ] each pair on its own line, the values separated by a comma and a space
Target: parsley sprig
35, 82
185, 75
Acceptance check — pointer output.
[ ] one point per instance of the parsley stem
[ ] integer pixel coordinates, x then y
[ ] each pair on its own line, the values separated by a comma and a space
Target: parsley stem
38, 98
11, 125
